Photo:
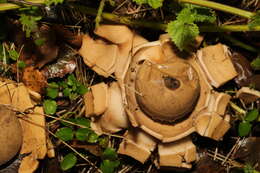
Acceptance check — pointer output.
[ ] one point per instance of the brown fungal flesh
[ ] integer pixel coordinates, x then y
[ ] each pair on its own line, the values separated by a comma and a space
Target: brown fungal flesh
10, 134
175, 85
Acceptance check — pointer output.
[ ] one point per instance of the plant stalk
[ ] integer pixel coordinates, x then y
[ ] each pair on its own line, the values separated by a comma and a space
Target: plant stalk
8, 6
238, 43
237, 108
227, 28
99, 12
161, 26
221, 7
12, 6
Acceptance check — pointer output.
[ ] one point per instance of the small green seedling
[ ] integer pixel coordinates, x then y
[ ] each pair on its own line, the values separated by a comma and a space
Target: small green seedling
256, 63
244, 127
29, 23
249, 169
80, 127
50, 106
109, 161
13, 54
68, 162
153, 3
65, 134
71, 88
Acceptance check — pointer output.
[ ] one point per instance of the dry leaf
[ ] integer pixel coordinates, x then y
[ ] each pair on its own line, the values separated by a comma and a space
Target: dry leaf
34, 79
34, 140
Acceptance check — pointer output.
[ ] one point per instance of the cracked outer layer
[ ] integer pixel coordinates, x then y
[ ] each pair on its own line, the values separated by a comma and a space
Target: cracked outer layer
166, 98
145, 106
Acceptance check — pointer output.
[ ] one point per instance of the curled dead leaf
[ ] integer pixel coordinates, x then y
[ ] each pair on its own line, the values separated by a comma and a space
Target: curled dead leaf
243, 68
34, 79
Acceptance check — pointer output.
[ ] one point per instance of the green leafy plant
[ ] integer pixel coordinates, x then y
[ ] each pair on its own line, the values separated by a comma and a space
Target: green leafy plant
52, 92
153, 3
50, 106
109, 161
21, 64
82, 134
68, 162
256, 63
184, 29
84, 122
249, 169
80, 127
29, 23
245, 126
53, 2
39, 41
65, 134
13, 54
70, 87
255, 21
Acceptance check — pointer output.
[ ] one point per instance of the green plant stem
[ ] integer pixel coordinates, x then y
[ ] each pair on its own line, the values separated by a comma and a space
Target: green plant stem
12, 6
161, 26
8, 6
121, 19
238, 43
99, 13
228, 28
237, 108
221, 7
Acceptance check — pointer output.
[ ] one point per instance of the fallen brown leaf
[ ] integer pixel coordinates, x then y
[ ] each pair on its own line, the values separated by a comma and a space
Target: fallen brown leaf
34, 79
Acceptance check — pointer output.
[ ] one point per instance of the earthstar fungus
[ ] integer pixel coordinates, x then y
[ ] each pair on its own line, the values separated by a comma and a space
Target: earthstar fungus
159, 97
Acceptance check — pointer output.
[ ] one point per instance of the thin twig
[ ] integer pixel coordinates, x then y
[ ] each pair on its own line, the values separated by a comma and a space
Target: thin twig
221, 158
231, 151
78, 125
